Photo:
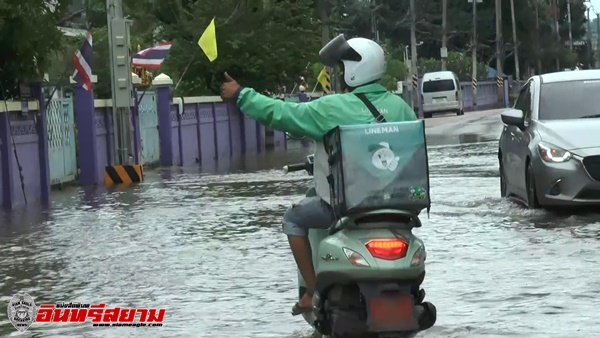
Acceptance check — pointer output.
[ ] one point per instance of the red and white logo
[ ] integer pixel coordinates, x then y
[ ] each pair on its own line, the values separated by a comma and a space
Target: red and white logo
22, 310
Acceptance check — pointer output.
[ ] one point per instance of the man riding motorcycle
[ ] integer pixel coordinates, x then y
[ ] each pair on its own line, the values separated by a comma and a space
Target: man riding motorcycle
363, 101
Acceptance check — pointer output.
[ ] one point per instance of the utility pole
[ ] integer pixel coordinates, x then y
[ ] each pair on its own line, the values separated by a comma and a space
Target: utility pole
323, 14
444, 51
374, 32
555, 16
598, 47
569, 20
515, 39
589, 40
537, 40
474, 54
120, 71
413, 56
499, 49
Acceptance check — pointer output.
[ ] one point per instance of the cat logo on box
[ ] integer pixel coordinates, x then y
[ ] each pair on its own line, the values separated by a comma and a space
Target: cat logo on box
384, 158
21, 311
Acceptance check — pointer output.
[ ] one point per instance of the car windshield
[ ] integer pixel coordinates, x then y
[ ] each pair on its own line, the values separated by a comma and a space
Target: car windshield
569, 100
438, 86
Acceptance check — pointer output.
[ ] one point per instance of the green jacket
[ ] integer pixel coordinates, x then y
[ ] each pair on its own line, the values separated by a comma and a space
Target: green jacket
315, 118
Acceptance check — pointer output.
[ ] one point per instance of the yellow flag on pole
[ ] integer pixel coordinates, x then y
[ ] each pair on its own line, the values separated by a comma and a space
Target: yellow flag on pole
324, 80
208, 41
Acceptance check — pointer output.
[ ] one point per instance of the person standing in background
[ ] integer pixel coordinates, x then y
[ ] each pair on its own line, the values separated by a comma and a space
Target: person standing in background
303, 97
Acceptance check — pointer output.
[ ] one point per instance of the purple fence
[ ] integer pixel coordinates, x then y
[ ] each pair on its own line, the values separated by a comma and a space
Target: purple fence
188, 131
487, 95
203, 130
24, 169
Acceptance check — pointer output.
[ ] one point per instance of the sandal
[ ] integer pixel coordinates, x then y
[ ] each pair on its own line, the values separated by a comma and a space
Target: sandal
298, 309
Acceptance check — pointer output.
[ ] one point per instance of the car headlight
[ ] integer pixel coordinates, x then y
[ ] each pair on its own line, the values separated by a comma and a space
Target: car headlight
550, 153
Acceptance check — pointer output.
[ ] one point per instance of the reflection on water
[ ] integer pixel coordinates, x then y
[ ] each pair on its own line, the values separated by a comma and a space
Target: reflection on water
209, 247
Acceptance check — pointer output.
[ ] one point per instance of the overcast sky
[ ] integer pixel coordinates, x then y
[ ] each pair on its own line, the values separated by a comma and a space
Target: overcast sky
596, 4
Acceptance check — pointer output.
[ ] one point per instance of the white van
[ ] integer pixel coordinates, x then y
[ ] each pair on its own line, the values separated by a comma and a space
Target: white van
441, 92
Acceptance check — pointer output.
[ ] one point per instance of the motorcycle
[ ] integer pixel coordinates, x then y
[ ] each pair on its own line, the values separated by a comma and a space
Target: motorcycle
369, 270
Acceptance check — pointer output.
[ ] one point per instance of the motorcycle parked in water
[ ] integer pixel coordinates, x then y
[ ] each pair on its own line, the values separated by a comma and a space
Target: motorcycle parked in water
369, 269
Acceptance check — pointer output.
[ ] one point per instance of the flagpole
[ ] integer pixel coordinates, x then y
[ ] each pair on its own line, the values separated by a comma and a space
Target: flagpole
313, 91
144, 92
65, 72
141, 97
185, 69
295, 83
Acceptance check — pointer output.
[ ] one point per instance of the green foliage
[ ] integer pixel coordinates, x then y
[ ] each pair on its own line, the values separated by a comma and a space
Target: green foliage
459, 63
393, 18
29, 39
263, 48
266, 43
61, 64
396, 71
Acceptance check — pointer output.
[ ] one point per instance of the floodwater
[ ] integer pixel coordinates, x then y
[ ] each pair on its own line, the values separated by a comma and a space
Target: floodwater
210, 249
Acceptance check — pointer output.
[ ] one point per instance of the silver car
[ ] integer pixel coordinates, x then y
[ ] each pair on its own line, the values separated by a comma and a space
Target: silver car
549, 150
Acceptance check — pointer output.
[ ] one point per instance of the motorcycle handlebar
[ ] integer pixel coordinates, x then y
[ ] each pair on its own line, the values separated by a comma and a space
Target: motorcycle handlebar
294, 167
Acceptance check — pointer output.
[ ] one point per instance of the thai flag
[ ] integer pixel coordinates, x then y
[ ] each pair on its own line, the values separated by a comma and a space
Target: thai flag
152, 57
83, 63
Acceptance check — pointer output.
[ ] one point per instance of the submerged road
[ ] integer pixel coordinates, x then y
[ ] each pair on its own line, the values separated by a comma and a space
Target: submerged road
210, 248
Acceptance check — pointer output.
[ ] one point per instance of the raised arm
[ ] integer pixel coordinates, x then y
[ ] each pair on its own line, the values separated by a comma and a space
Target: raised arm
303, 119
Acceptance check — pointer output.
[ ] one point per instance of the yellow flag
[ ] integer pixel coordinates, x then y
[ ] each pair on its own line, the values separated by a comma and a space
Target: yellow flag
208, 41
323, 79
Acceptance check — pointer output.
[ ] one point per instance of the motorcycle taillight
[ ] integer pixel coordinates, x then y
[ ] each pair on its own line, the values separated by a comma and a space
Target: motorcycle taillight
388, 249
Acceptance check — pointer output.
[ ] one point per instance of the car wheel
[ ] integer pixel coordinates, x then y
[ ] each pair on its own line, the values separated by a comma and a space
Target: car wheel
461, 112
532, 200
428, 115
502, 181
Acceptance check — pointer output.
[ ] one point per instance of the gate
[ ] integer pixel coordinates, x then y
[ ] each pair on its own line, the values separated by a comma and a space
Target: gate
148, 116
61, 141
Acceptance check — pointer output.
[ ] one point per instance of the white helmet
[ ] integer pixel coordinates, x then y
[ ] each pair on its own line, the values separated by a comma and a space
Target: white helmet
302, 88
363, 59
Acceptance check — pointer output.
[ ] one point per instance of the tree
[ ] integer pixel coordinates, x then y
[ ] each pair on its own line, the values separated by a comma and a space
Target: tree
392, 21
29, 38
268, 43
260, 47
261, 44
459, 63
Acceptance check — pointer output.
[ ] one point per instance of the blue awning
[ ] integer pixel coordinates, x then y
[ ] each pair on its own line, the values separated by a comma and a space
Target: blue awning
491, 72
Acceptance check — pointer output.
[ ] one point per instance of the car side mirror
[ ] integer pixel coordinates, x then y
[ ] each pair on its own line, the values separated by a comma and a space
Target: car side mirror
513, 117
